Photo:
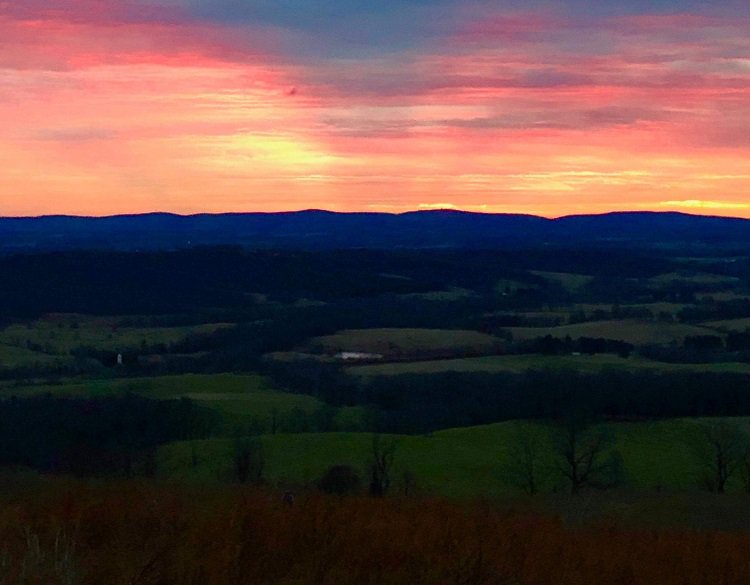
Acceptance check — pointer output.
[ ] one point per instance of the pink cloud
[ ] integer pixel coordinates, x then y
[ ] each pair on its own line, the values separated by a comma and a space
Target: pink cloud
107, 108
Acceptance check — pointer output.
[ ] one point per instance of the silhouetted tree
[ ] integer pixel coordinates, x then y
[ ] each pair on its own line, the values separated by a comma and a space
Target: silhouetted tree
381, 464
583, 451
249, 461
721, 449
524, 457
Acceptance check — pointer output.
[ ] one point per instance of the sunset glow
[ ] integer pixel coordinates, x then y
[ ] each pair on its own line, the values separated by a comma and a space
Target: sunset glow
539, 107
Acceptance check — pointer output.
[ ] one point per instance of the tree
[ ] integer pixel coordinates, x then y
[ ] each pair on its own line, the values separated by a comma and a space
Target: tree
249, 461
585, 453
381, 464
721, 449
523, 463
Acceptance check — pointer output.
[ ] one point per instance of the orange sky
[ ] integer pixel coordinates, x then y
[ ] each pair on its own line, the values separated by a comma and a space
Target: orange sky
119, 107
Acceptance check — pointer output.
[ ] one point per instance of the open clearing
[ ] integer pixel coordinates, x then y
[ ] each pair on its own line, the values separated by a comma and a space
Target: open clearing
729, 325
696, 278
60, 334
633, 331
17, 357
570, 282
522, 363
242, 400
465, 462
392, 342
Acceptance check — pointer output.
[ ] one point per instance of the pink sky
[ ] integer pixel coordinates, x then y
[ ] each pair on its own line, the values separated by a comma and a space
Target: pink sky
119, 107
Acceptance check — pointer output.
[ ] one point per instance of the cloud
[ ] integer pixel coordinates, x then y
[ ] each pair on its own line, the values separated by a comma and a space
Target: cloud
700, 204
246, 104
76, 134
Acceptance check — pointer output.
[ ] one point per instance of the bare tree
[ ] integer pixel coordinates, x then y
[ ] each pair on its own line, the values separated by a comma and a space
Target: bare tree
381, 464
585, 454
523, 464
722, 450
249, 461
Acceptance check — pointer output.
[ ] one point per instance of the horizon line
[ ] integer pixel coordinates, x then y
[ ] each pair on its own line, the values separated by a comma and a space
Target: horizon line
381, 213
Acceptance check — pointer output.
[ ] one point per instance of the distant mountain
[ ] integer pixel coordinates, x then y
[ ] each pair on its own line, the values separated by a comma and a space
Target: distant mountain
316, 229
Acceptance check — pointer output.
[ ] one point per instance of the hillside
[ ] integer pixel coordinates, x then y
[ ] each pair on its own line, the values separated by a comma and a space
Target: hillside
314, 229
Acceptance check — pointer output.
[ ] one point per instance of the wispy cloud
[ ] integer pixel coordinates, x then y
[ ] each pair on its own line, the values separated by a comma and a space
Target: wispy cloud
700, 204
539, 106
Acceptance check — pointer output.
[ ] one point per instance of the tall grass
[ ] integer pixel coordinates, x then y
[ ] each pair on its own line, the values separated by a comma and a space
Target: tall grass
61, 532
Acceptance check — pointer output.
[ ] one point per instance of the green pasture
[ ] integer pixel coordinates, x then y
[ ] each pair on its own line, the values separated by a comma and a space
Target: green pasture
464, 462
245, 401
60, 334
637, 332
525, 362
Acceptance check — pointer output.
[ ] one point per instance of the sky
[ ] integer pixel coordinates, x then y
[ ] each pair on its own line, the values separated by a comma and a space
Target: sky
548, 107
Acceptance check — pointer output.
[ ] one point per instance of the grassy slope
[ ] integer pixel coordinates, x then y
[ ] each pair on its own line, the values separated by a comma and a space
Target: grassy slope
521, 363
240, 398
61, 334
15, 357
570, 282
404, 340
631, 331
730, 325
459, 462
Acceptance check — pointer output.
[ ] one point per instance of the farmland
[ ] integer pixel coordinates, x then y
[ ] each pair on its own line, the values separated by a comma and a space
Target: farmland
396, 342
56, 336
463, 463
463, 354
637, 332
522, 363
245, 402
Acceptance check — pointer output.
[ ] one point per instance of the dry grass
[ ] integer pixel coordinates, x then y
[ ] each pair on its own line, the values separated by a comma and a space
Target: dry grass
118, 534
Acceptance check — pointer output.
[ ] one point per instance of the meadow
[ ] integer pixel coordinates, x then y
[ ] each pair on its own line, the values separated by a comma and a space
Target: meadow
464, 463
247, 403
524, 362
637, 332
56, 336
405, 342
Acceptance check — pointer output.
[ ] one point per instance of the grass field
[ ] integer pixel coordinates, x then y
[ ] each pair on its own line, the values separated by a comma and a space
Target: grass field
465, 462
241, 399
522, 363
729, 325
60, 334
451, 294
405, 341
632, 331
654, 308
693, 278
570, 282
16, 357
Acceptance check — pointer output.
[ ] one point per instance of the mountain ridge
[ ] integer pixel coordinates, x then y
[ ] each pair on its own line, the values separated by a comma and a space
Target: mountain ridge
315, 229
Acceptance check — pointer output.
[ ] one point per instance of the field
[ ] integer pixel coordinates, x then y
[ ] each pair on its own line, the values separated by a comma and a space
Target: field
630, 331
570, 282
656, 309
15, 357
395, 342
58, 335
522, 363
466, 462
730, 325
697, 278
242, 400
